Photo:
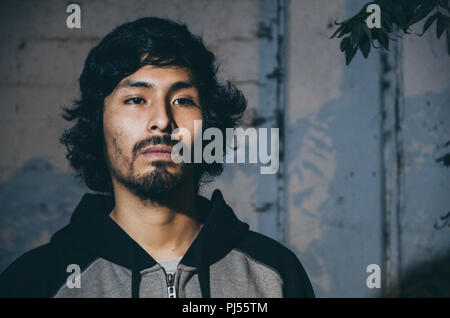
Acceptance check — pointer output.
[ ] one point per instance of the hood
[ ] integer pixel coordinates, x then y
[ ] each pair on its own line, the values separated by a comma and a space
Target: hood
93, 232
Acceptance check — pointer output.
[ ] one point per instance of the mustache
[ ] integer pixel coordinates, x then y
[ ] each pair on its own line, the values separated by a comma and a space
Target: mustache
154, 140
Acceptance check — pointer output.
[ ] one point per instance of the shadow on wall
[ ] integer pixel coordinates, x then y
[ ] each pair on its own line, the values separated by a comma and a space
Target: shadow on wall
429, 279
338, 149
336, 208
35, 202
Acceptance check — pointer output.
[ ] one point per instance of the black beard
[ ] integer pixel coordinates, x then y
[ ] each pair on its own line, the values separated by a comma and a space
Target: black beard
155, 186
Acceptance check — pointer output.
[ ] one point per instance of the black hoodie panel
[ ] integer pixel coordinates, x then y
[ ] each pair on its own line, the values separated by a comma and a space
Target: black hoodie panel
41, 272
274, 255
92, 230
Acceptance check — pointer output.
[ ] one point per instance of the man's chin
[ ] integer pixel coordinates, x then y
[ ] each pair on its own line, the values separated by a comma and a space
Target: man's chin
155, 185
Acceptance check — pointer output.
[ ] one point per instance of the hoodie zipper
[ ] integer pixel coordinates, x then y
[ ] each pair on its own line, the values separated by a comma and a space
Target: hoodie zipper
170, 280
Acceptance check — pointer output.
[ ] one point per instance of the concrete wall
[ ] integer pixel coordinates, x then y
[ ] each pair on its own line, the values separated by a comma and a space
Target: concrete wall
342, 198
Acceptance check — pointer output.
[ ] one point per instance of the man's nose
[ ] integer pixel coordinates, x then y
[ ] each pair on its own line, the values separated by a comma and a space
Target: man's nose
160, 117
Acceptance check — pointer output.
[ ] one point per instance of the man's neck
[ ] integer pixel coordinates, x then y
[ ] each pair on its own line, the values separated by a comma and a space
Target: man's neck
164, 229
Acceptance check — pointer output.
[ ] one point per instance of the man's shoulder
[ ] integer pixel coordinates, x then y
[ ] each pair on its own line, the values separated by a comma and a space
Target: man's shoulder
266, 249
35, 257
39, 272
281, 259
26, 271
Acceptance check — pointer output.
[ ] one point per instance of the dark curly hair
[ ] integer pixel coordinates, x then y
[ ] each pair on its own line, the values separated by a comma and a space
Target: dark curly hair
120, 54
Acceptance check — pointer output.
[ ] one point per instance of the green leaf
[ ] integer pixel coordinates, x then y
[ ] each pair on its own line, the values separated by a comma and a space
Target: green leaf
356, 34
336, 32
441, 25
343, 28
386, 22
349, 54
398, 15
445, 159
345, 43
368, 34
385, 38
364, 45
422, 11
429, 22
382, 37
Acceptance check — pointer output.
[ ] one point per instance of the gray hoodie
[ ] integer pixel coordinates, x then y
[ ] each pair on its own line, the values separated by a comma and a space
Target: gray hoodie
94, 257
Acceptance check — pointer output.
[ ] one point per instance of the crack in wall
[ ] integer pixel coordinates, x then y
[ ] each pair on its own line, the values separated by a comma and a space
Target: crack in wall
279, 117
392, 166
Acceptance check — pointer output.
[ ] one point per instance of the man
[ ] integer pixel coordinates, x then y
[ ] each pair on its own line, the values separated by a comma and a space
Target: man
150, 234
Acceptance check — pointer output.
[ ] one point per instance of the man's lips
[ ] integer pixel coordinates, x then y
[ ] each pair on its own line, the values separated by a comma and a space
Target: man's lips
158, 152
158, 148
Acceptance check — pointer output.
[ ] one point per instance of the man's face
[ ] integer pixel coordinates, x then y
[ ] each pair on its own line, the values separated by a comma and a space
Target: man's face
138, 118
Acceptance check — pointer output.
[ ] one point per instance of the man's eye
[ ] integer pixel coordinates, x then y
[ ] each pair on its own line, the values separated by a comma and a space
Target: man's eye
183, 101
135, 100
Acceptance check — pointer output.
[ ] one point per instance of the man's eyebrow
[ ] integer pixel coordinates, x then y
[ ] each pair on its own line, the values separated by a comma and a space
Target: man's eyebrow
174, 87
181, 85
130, 83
